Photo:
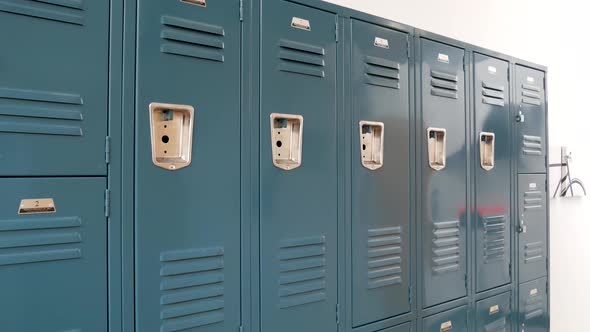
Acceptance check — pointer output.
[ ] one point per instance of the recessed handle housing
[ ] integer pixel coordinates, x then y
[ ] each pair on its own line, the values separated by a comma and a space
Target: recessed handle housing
486, 150
171, 135
371, 140
287, 140
437, 148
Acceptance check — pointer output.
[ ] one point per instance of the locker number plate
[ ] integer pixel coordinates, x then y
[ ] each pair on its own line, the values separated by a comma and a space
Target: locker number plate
300, 23
446, 326
36, 205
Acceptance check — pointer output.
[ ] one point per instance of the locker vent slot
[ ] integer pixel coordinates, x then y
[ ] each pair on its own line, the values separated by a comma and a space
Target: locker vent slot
192, 39
533, 200
493, 94
35, 240
446, 247
382, 72
444, 84
533, 307
40, 112
494, 238
192, 288
533, 252
531, 94
300, 58
302, 264
384, 257
532, 145
498, 325
65, 11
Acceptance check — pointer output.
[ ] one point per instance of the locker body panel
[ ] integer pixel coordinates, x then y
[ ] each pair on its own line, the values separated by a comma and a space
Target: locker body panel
450, 320
53, 264
532, 238
53, 88
380, 198
406, 327
533, 315
444, 218
187, 221
493, 314
492, 115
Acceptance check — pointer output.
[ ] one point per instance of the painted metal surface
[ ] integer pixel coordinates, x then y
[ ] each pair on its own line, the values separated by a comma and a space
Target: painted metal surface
444, 192
532, 312
380, 197
407, 327
532, 228
298, 207
187, 221
53, 264
452, 320
492, 203
53, 88
493, 314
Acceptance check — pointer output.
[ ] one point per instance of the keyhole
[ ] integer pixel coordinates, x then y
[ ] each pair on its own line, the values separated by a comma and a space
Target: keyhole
364, 147
279, 144
165, 139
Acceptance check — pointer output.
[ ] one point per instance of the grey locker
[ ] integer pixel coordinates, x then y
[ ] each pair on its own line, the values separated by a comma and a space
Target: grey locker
53, 249
380, 196
530, 118
187, 208
444, 240
454, 320
298, 202
532, 226
533, 315
492, 171
493, 314
53, 87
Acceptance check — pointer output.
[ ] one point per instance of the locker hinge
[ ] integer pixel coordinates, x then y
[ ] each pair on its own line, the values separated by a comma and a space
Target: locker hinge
408, 46
410, 295
546, 287
510, 270
241, 10
337, 314
464, 63
466, 281
107, 149
107, 203
336, 33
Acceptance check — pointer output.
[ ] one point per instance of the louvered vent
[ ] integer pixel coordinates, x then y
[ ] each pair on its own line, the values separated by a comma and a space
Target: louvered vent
444, 84
533, 307
446, 242
65, 11
192, 288
532, 145
384, 257
303, 271
531, 94
533, 200
494, 238
499, 325
300, 58
382, 72
493, 94
192, 39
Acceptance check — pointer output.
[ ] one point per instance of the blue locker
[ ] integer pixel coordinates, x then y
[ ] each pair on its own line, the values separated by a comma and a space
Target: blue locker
454, 320
532, 227
53, 254
444, 169
298, 169
187, 166
492, 171
381, 173
530, 118
532, 311
493, 314
407, 327
53, 87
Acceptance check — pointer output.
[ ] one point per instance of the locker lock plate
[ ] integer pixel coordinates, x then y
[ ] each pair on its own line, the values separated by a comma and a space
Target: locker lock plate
286, 140
371, 144
437, 148
487, 150
171, 128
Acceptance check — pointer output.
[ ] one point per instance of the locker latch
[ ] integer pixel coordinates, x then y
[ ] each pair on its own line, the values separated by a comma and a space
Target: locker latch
521, 225
437, 146
520, 116
171, 135
371, 144
287, 140
486, 150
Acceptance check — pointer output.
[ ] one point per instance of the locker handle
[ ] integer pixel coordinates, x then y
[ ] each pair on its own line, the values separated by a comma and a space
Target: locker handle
520, 116
286, 131
487, 150
521, 226
171, 132
437, 148
371, 144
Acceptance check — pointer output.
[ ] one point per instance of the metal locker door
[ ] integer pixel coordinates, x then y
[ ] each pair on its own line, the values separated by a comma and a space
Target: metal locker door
530, 118
53, 249
532, 226
187, 206
492, 171
444, 193
381, 173
406, 327
493, 314
454, 320
533, 315
298, 203
53, 87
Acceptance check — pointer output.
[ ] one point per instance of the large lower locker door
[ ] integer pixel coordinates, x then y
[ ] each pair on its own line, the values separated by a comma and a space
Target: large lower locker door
451, 320
53, 87
492, 172
381, 173
530, 118
53, 254
532, 226
298, 169
533, 315
493, 314
444, 214
187, 183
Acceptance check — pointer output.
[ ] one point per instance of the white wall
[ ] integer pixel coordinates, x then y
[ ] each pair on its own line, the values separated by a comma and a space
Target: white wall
555, 34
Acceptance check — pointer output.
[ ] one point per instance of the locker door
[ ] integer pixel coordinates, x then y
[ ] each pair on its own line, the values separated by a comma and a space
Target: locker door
298, 212
530, 94
443, 173
187, 218
53, 255
532, 228
493, 314
53, 87
533, 315
380, 196
407, 327
492, 172
454, 320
